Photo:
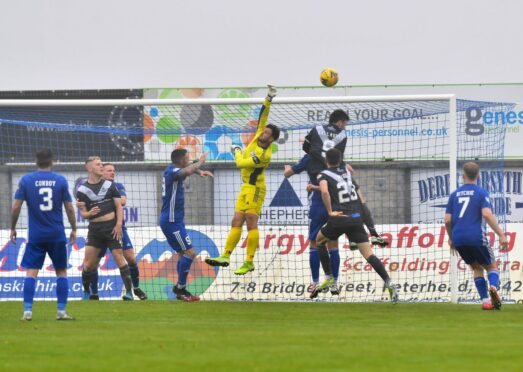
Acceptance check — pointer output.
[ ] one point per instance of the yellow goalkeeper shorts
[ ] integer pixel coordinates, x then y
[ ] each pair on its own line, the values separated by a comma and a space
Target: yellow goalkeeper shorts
250, 199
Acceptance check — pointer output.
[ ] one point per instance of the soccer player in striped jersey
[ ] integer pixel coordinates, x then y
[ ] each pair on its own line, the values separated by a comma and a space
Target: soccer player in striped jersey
100, 203
467, 211
127, 245
44, 192
343, 206
173, 212
252, 161
318, 217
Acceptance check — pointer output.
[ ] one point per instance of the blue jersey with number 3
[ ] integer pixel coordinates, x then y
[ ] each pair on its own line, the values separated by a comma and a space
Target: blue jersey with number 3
465, 205
44, 192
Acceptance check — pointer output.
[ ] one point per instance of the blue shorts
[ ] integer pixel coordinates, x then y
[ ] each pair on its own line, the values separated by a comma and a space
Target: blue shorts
176, 236
34, 255
126, 243
317, 216
483, 255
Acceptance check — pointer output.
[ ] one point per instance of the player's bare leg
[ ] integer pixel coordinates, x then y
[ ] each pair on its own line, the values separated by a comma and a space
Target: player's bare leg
232, 241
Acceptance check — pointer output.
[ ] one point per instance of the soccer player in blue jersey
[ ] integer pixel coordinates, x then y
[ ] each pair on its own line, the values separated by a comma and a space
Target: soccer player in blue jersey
127, 245
317, 217
44, 192
467, 211
172, 216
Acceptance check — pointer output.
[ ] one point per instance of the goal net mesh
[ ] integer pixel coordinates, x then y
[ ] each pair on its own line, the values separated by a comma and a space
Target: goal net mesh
399, 151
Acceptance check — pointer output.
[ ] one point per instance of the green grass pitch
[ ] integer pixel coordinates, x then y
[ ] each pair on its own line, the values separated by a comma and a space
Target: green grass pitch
169, 335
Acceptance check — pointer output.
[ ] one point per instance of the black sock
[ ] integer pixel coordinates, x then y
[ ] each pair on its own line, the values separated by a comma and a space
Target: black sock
135, 275
325, 260
125, 273
368, 220
377, 265
86, 279
94, 281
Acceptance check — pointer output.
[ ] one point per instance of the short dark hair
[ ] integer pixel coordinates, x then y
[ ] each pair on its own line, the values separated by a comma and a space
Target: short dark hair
107, 164
44, 158
338, 115
471, 170
275, 131
91, 158
177, 155
333, 156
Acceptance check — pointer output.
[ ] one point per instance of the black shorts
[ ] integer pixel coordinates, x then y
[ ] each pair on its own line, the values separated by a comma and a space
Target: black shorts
353, 228
100, 235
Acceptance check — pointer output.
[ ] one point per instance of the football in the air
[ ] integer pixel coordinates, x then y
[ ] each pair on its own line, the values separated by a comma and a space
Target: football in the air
329, 77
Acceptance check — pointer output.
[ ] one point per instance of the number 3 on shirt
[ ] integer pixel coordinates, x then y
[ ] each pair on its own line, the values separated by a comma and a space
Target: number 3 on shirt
465, 201
47, 201
344, 194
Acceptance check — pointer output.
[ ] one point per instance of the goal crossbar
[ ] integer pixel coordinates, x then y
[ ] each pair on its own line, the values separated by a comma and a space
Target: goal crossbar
220, 101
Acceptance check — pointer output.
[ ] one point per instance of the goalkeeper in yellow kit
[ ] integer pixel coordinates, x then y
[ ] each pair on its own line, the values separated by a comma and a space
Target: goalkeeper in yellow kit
252, 161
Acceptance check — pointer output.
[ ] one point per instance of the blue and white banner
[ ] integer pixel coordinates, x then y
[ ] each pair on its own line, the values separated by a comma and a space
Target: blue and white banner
431, 190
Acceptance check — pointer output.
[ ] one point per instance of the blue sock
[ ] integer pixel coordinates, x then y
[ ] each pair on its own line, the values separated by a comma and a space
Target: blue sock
178, 268
493, 278
29, 293
183, 272
314, 263
94, 281
335, 262
481, 286
62, 291
135, 275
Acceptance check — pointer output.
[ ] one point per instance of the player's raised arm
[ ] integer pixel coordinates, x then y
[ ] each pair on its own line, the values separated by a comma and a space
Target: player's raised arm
194, 167
297, 168
313, 146
264, 113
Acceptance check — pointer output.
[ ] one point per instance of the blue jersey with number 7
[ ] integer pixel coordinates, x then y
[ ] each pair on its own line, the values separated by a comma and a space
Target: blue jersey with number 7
44, 192
465, 205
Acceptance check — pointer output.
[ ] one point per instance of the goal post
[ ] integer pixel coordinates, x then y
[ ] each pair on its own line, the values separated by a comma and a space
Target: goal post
405, 151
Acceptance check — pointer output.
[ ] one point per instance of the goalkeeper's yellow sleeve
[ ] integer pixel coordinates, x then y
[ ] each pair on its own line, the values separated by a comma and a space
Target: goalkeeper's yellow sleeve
264, 115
